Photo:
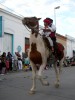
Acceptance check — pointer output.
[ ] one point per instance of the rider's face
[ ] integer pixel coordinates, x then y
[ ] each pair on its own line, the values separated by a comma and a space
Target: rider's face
45, 24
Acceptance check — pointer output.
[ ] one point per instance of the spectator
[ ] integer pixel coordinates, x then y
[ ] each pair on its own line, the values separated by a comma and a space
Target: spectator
3, 62
9, 58
15, 61
26, 64
19, 61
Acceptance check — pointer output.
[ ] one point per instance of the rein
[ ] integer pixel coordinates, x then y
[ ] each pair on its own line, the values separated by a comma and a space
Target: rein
33, 28
27, 28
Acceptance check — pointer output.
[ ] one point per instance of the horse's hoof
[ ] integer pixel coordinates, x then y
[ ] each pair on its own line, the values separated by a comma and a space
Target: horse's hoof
57, 85
31, 92
46, 84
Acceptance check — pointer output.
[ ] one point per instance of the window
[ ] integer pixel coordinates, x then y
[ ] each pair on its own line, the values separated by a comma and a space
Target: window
27, 41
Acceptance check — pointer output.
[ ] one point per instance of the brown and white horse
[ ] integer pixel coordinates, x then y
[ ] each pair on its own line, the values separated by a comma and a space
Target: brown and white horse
39, 53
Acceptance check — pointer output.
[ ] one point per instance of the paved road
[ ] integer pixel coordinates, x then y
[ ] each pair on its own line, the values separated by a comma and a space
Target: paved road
15, 86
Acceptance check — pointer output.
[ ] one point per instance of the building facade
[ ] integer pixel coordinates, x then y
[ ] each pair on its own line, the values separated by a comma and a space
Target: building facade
63, 40
68, 43
13, 34
70, 46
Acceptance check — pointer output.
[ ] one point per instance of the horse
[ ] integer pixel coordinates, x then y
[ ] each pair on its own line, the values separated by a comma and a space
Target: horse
39, 53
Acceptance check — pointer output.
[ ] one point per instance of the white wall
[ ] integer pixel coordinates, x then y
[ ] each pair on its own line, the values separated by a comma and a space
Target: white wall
70, 46
13, 25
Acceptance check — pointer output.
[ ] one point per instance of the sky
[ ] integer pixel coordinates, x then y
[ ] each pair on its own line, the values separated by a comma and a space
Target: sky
63, 17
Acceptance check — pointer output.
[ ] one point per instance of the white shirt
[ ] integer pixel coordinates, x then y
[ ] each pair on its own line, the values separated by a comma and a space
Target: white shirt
52, 28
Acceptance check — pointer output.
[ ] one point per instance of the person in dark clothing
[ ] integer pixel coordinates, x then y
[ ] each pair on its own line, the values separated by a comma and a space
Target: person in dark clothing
9, 58
3, 62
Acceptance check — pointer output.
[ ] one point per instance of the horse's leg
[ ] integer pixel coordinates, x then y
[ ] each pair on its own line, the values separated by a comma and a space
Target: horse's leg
57, 83
60, 65
44, 82
32, 90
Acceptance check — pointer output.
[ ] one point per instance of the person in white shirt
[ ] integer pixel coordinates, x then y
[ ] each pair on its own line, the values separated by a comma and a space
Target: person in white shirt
49, 31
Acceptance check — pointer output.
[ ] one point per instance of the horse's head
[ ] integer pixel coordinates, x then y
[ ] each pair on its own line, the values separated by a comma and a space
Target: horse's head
31, 22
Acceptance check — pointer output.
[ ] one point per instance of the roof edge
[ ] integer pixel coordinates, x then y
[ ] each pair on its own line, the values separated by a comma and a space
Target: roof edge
10, 13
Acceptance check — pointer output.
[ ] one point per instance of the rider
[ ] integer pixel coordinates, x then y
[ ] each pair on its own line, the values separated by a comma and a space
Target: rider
49, 31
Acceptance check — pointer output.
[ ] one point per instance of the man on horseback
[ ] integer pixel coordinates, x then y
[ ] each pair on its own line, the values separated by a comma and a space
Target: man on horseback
49, 31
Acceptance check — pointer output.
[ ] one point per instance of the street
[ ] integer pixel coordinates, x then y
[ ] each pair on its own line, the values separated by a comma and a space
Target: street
16, 86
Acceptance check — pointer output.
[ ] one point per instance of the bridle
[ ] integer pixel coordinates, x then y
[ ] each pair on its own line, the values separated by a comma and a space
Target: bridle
33, 28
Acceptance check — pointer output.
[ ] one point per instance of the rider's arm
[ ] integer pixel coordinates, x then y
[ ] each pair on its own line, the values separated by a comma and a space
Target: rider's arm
46, 32
47, 29
42, 32
52, 28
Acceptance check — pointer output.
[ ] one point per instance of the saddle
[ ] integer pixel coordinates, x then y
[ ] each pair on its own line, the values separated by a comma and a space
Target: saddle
58, 48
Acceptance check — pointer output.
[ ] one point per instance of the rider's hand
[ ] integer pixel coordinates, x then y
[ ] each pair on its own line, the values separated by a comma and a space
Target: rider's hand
44, 30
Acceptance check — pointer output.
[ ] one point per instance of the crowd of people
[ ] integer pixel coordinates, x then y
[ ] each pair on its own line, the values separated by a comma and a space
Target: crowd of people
5, 62
9, 62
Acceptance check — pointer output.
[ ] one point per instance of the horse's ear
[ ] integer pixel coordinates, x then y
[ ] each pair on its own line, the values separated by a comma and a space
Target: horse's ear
39, 18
